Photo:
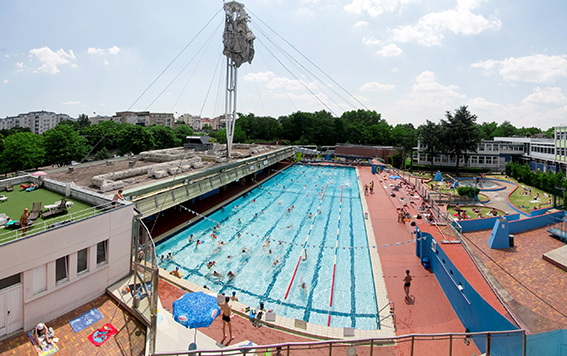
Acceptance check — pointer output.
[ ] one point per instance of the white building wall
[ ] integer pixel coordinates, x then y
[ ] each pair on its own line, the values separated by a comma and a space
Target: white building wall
25, 254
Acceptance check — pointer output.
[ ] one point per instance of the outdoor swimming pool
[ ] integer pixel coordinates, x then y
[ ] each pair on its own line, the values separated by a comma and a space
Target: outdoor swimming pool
269, 233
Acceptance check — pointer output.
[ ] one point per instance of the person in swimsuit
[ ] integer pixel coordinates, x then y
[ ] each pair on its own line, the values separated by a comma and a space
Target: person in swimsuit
226, 311
407, 283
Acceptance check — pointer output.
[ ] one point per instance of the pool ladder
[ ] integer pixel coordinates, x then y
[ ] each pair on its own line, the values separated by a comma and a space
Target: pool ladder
392, 315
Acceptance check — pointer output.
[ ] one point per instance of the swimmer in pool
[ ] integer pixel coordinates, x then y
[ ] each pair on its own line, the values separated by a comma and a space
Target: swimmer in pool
244, 250
239, 221
305, 256
266, 244
276, 261
211, 263
231, 275
216, 274
303, 286
191, 237
310, 215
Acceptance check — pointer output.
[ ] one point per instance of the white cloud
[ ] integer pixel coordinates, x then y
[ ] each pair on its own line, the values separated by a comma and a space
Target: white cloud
106, 62
546, 98
428, 96
361, 98
377, 7
289, 84
259, 77
374, 86
51, 59
390, 50
538, 68
544, 108
112, 50
76, 102
370, 41
5, 81
431, 28
360, 25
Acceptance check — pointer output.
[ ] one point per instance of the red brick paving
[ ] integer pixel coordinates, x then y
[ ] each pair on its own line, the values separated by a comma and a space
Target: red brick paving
130, 339
242, 328
536, 284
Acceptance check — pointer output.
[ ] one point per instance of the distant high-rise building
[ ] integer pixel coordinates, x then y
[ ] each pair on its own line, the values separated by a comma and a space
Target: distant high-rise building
37, 121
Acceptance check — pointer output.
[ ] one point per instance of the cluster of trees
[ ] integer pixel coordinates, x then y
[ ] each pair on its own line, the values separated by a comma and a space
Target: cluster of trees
455, 135
69, 141
544, 181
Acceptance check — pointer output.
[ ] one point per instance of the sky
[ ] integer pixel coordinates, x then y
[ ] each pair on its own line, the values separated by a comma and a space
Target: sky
410, 60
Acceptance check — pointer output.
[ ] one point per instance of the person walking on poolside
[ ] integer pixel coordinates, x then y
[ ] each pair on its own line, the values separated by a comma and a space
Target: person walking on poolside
24, 221
226, 311
407, 283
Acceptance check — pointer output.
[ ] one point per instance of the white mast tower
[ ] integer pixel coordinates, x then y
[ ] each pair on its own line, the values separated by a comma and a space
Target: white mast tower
238, 48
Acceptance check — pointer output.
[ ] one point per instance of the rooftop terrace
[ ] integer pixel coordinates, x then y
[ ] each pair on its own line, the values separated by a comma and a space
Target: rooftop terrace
19, 199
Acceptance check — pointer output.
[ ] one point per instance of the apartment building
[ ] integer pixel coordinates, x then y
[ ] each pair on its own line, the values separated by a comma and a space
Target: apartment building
37, 121
144, 118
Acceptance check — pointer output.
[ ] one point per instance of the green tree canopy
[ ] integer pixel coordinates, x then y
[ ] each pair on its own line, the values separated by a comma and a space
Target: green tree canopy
63, 144
430, 138
83, 121
135, 139
22, 150
183, 131
164, 137
460, 134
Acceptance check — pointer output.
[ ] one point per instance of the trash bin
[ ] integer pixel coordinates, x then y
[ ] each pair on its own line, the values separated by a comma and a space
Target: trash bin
136, 301
511, 240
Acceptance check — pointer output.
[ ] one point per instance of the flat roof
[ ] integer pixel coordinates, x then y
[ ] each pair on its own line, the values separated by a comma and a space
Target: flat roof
19, 199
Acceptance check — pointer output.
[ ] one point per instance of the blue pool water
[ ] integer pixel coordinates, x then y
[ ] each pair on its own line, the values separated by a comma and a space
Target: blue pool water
257, 279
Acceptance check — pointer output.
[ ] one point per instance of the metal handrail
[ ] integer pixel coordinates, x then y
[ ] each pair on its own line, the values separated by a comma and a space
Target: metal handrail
46, 225
286, 348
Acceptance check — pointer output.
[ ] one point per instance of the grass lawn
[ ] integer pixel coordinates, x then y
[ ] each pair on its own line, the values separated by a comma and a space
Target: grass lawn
471, 214
524, 202
20, 199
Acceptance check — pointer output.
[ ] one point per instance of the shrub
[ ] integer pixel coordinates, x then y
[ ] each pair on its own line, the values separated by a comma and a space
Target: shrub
468, 191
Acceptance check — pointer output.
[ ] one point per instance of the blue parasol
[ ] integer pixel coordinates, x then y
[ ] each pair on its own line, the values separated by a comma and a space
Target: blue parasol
395, 177
195, 310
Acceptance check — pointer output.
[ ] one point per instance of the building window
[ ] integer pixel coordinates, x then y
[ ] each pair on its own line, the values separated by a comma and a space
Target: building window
61, 265
39, 279
481, 160
101, 252
82, 261
10, 281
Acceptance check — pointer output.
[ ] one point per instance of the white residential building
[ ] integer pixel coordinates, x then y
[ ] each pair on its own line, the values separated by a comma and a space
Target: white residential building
37, 121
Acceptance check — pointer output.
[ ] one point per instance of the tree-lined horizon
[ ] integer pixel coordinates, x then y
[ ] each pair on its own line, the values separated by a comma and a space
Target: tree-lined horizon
70, 140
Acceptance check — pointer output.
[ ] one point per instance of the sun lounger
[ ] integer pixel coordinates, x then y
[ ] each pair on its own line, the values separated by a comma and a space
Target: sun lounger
61, 209
35, 212
9, 187
3, 198
3, 219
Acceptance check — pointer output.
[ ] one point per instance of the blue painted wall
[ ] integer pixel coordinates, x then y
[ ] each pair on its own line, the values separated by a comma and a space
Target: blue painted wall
534, 222
516, 225
547, 344
473, 311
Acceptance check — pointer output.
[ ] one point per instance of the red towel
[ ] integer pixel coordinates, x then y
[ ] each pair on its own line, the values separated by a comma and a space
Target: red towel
99, 336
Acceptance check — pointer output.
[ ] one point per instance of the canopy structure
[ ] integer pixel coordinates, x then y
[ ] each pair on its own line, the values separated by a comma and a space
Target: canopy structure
238, 48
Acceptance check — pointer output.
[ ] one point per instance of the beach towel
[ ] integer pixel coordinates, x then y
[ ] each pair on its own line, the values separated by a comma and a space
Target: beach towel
99, 336
48, 349
87, 319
